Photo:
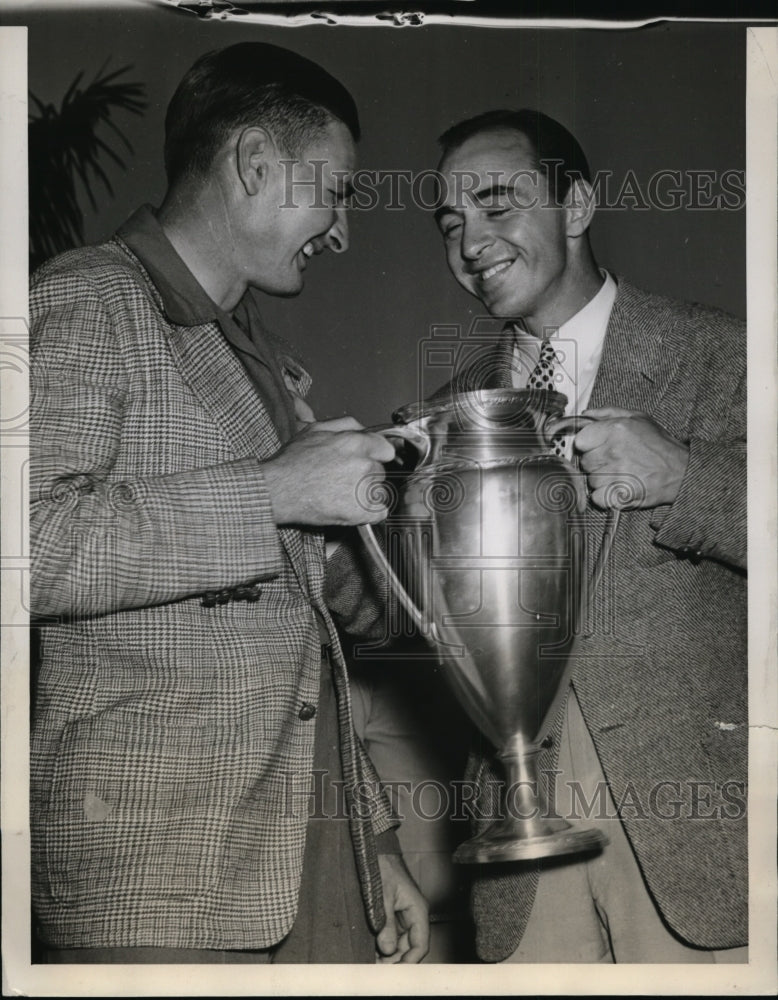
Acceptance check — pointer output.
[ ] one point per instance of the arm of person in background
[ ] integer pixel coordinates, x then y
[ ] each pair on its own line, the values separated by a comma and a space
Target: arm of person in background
102, 544
356, 590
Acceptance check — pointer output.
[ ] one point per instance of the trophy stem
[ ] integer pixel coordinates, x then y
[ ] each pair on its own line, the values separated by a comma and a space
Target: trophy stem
526, 828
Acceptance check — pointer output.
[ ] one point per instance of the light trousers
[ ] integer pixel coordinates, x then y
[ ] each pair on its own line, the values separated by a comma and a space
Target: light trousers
598, 909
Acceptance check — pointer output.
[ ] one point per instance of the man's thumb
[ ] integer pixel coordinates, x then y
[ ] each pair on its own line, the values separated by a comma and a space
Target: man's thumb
387, 937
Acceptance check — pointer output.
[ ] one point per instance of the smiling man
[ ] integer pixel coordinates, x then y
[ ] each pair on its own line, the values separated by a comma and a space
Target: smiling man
191, 679
652, 744
522, 254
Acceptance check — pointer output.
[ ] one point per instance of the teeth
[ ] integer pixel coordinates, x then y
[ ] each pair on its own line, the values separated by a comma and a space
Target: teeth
491, 271
308, 249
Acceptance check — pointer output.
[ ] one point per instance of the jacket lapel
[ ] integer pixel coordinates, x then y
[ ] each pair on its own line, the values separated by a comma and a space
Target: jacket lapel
641, 352
643, 347
215, 375
217, 378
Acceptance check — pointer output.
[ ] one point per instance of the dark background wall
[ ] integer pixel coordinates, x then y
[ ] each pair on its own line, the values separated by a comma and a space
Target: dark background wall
667, 97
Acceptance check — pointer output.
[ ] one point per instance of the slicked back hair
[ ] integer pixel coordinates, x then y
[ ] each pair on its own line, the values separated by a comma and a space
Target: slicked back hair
251, 83
558, 154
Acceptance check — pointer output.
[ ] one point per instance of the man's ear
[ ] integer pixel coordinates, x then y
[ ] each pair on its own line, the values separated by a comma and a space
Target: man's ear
579, 207
252, 153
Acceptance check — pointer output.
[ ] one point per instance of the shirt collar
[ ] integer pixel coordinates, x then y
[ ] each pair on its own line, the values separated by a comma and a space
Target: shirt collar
184, 300
588, 326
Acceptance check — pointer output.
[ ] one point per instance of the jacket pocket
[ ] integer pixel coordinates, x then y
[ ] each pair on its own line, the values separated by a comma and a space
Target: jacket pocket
138, 808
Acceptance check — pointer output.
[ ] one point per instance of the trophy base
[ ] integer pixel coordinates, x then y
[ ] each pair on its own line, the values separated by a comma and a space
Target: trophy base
511, 845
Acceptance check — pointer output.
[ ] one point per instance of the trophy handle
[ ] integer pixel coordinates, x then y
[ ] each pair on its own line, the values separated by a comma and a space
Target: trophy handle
421, 441
370, 541
466, 680
561, 425
405, 432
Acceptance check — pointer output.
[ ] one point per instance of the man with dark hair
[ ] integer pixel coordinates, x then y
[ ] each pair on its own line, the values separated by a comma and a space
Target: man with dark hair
554, 151
651, 746
228, 89
191, 680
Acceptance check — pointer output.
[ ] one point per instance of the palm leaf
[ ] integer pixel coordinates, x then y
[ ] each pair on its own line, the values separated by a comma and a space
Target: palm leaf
65, 147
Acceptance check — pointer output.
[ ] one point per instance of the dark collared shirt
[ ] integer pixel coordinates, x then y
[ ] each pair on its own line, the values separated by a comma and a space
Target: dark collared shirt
186, 303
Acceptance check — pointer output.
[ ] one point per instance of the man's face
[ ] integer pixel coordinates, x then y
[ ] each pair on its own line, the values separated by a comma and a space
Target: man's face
301, 212
504, 237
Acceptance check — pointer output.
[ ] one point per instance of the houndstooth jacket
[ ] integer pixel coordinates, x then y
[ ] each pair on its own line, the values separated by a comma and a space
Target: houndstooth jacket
661, 675
173, 737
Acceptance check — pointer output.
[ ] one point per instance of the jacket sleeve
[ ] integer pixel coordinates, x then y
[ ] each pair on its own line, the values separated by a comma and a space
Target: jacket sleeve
356, 591
101, 543
384, 818
708, 518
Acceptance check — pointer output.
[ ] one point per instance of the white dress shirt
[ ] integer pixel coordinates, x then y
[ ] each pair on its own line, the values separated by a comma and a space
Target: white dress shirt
578, 344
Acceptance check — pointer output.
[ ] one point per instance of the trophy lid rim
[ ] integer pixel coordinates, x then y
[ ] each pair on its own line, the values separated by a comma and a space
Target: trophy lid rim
545, 400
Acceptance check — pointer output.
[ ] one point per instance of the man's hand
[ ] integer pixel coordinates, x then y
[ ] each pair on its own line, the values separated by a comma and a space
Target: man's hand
304, 415
327, 475
630, 461
406, 935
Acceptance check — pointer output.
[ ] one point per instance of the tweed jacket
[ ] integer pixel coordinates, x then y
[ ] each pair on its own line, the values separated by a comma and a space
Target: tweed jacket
661, 669
173, 737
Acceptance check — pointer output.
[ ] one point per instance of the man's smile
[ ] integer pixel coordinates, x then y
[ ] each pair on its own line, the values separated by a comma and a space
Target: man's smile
307, 251
494, 269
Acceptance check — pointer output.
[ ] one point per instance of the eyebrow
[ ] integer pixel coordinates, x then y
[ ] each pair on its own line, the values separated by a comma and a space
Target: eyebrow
343, 189
481, 196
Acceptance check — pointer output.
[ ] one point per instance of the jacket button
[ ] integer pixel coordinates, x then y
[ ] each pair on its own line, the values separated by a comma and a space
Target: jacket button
306, 712
547, 742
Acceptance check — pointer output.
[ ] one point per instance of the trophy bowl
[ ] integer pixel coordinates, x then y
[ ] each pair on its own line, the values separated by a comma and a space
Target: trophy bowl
486, 545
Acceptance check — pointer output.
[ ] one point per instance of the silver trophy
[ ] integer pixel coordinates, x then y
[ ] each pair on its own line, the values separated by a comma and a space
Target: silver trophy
487, 542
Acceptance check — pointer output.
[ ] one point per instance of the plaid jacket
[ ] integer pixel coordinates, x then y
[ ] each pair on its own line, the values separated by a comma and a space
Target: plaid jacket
172, 741
662, 679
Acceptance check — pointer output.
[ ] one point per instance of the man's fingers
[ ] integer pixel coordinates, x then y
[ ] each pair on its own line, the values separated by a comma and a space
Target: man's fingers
595, 435
366, 445
418, 934
373, 514
610, 426
406, 909
602, 498
381, 449
387, 936
602, 460
302, 410
337, 424
606, 412
398, 955
621, 492
354, 438
591, 461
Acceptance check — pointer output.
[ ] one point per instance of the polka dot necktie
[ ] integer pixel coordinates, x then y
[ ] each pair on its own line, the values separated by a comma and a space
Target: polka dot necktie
542, 377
